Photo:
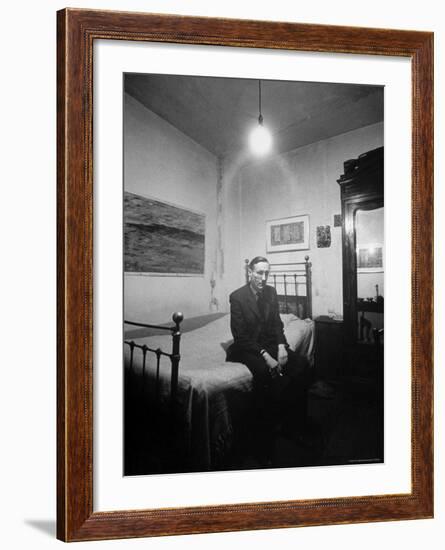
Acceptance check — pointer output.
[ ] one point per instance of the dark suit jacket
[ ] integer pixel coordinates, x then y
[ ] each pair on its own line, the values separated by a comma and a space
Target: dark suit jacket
245, 321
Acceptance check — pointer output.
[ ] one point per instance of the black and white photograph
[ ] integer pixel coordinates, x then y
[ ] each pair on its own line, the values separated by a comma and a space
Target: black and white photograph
253, 337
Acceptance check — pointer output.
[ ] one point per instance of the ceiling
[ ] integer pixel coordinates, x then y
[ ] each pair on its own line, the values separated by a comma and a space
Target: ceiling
218, 113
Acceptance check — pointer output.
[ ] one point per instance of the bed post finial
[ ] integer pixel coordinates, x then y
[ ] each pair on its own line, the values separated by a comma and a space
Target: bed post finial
308, 287
175, 358
177, 317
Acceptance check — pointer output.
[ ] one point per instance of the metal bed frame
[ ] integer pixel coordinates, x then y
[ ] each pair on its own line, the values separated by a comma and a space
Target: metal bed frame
174, 356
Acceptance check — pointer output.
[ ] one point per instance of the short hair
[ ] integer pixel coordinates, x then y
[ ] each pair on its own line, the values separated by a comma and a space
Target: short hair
257, 260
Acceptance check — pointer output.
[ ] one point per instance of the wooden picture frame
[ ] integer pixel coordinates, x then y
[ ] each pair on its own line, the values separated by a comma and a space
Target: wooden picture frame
77, 31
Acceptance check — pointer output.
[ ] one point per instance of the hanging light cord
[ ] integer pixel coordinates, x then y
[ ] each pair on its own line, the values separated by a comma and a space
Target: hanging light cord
260, 118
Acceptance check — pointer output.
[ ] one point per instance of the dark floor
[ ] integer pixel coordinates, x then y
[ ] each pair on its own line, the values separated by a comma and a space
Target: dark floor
345, 426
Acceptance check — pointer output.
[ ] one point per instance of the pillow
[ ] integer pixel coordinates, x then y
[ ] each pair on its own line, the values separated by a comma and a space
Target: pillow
287, 318
299, 334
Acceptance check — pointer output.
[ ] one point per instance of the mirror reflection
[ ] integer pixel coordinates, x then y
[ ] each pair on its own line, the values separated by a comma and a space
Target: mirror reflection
369, 228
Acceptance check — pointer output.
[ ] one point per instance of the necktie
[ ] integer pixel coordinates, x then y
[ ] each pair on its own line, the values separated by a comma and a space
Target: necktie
261, 304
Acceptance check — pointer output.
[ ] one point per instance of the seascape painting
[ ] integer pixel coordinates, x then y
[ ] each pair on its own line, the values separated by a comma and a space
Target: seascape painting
162, 238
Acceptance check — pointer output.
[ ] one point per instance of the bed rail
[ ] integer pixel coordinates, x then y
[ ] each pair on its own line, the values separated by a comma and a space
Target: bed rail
174, 356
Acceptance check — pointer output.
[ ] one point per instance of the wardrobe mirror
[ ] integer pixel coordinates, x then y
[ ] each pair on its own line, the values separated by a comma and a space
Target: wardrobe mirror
369, 235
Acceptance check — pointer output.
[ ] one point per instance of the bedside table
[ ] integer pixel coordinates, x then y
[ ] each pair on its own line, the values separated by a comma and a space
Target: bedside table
329, 348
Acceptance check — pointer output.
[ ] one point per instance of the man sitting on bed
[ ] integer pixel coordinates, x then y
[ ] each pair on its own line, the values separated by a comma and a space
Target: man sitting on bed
279, 374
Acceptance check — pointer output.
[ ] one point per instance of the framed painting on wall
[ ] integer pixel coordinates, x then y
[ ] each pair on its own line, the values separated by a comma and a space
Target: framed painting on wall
162, 238
95, 501
287, 234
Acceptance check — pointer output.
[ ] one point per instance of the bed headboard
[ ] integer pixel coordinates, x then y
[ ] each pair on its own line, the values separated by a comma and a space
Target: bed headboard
293, 283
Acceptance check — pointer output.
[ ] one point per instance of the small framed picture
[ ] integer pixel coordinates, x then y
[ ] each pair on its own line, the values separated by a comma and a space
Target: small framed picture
370, 258
286, 234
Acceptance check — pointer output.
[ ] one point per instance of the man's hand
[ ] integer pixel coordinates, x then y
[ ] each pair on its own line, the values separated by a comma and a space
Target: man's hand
273, 364
282, 355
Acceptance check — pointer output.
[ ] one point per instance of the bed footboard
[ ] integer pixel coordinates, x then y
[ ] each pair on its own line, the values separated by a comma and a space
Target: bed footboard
174, 356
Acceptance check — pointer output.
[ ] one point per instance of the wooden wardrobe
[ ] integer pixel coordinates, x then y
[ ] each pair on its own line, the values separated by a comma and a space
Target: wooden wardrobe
361, 189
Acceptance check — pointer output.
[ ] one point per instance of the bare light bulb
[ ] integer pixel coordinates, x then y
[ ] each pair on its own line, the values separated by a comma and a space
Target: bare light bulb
260, 139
